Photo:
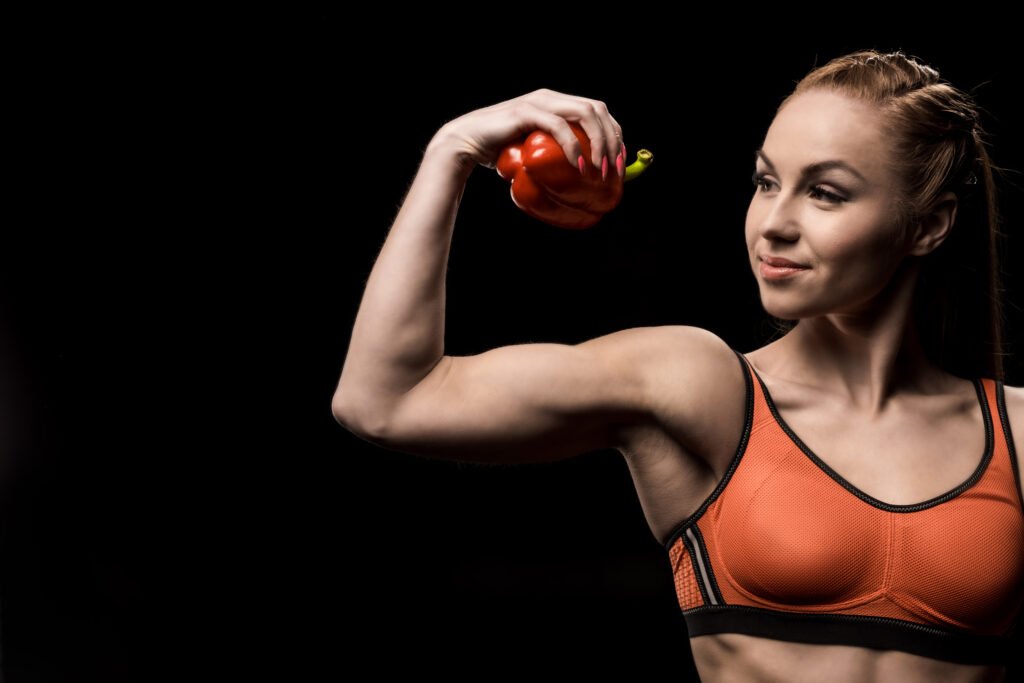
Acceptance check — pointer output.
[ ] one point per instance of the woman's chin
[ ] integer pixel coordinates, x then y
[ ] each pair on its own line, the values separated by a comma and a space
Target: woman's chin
785, 312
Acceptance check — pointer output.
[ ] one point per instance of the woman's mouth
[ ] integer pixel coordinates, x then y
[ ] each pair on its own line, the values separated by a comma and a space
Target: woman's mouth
779, 268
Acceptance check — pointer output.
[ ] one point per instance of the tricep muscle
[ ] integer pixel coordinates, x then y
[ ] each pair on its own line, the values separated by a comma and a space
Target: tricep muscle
526, 402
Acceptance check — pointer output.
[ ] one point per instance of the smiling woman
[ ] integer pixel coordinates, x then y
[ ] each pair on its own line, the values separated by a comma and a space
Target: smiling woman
841, 504
923, 147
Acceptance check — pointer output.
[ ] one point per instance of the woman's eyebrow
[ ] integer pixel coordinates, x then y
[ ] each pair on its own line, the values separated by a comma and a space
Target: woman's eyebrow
817, 166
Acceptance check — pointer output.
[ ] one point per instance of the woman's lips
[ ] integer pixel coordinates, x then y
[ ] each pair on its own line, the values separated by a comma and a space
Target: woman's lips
778, 272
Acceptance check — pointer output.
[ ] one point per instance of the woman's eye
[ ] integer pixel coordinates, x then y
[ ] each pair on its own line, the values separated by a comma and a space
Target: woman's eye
831, 197
816, 191
758, 179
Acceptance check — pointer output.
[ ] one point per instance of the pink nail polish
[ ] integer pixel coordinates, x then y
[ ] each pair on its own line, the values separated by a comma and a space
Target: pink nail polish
579, 162
619, 165
623, 150
604, 167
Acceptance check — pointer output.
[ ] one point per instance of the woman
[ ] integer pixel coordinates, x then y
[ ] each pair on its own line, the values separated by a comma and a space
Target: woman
821, 498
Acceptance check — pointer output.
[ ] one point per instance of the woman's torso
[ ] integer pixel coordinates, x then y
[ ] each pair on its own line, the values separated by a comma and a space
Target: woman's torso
890, 458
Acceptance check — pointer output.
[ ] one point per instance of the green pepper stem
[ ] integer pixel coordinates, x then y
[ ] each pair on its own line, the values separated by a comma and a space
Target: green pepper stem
643, 160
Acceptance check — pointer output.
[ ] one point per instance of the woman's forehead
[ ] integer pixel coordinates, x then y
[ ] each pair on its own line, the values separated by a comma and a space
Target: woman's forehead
822, 126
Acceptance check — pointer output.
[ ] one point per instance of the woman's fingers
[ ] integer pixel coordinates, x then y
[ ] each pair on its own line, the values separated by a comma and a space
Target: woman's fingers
481, 134
613, 132
620, 146
603, 131
554, 124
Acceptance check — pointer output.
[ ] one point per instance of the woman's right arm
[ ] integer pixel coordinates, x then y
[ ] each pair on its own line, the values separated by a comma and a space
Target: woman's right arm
527, 402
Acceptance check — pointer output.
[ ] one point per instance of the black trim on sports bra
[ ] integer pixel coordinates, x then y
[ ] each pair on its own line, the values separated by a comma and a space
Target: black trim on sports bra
880, 633
986, 456
740, 449
1008, 435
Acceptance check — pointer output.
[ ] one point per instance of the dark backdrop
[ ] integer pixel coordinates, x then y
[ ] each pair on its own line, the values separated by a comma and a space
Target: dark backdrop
178, 309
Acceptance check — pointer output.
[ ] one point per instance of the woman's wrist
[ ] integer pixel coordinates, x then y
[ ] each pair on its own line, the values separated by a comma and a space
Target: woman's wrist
445, 148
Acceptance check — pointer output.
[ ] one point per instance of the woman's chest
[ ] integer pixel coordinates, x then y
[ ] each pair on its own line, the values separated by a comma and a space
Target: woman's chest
903, 457
907, 515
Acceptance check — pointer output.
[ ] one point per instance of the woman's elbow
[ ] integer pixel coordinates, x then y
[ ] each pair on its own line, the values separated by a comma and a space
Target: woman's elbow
357, 418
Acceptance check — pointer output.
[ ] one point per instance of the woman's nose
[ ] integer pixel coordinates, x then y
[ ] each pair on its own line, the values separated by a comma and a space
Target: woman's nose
778, 217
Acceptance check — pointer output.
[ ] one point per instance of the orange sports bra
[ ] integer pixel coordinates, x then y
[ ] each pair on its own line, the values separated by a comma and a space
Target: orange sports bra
786, 548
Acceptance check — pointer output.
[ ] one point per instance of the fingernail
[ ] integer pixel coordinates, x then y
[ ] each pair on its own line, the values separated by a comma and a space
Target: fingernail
579, 162
604, 167
619, 164
623, 150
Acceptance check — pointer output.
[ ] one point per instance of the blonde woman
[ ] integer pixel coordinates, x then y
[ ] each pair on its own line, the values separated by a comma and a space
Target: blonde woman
841, 504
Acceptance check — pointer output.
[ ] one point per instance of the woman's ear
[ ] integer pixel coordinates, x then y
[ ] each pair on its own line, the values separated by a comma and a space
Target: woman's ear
935, 226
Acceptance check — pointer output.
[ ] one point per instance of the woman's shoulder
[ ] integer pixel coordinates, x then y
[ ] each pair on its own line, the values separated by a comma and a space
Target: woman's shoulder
687, 353
1015, 394
1014, 398
1015, 415
680, 366
697, 386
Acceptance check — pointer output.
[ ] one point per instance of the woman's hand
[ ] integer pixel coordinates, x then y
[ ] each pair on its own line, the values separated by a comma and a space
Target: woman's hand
482, 134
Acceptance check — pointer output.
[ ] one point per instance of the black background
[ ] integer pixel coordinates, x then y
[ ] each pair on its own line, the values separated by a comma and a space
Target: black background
204, 214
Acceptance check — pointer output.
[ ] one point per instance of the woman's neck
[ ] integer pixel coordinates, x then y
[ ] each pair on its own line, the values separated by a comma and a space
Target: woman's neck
868, 354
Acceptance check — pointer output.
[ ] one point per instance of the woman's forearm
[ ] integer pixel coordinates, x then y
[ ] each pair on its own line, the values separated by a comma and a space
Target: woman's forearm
398, 334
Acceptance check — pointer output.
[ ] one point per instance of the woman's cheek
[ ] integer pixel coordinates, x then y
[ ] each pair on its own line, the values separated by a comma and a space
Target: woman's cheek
861, 263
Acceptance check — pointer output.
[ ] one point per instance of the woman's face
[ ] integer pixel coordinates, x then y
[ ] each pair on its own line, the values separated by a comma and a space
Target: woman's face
838, 220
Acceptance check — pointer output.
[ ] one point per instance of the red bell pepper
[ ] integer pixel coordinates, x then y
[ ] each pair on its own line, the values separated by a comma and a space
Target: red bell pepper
546, 186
